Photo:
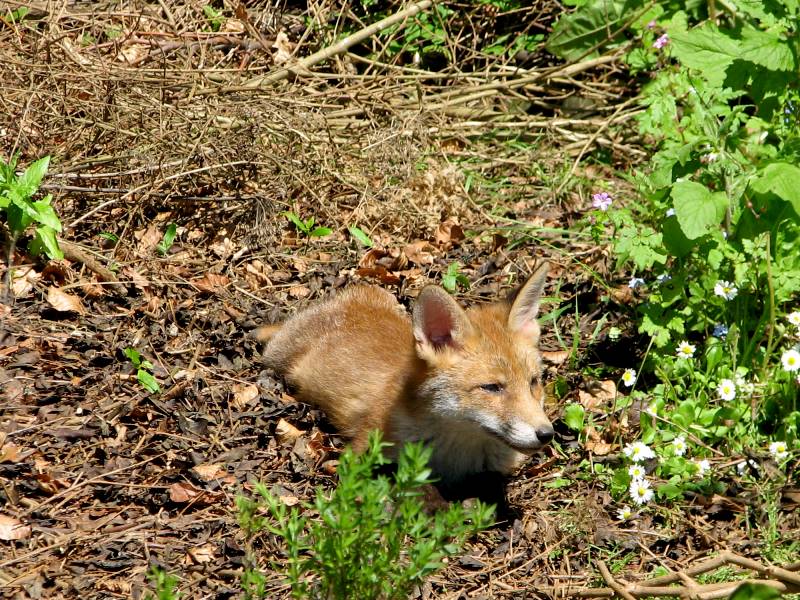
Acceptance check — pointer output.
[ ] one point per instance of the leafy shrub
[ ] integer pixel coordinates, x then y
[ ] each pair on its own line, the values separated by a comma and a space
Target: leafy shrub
713, 242
16, 201
371, 538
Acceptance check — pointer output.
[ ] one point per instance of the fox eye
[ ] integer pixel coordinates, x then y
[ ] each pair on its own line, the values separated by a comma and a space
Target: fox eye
492, 388
536, 380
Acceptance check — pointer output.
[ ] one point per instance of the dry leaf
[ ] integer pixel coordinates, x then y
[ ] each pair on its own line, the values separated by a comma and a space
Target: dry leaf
13, 529
243, 394
202, 554
183, 492
148, 238
597, 394
555, 358
594, 443
622, 295
299, 291
9, 453
24, 280
133, 53
64, 302
380, 273
448, 233
420, 252
209, 471
283, 48
211, 282
286, 432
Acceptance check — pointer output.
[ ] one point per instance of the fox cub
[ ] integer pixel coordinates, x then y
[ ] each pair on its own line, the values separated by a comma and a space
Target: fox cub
466, 382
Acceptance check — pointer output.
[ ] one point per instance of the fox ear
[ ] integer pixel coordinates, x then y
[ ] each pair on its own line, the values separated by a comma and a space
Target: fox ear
525, 305
439, 322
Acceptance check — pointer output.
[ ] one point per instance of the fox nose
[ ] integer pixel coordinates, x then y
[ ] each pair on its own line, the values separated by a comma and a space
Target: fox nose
545, 434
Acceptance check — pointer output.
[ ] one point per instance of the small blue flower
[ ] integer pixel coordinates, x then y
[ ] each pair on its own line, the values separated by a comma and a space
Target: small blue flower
720, 331
635, 282
663, 278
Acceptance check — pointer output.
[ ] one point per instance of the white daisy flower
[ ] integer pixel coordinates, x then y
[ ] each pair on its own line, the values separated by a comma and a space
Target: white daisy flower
703, 466
685, 350
641, 492
624, 513
629, 377
725, 289
791, 360
794, 318
778, 450
726, 389
638, 452
679, 445
636, 471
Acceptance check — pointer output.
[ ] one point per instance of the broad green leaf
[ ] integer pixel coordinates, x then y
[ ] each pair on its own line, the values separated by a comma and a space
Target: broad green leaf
783, 180
133, 355
766, 49
574, 34
46, 215
147, 381
321, 232
29, 182
169, 237
18, 217
44, 240
697, 208
574, 416
361, 237
755, 591
705, 49
296, 221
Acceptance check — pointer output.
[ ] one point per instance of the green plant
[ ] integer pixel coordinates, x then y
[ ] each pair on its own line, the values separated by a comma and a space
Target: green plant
359, 235
215, 18
143, 370
306, 226
372, 537
453, 278
164, 583
16, 201
169, 238
712, 240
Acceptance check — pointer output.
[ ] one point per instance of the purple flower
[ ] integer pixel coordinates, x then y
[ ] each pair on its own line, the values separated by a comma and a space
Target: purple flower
661, 42
651, 24
601, 200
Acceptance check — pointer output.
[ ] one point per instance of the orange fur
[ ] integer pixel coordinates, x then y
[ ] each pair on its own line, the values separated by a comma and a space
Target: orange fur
465, 382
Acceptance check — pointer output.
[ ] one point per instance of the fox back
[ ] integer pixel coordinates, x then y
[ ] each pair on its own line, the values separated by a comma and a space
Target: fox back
465, 382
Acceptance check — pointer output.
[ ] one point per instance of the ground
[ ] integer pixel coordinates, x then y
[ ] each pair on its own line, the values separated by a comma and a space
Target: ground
153, 117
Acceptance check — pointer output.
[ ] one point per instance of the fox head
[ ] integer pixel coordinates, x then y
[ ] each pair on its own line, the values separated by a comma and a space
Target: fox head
483, 364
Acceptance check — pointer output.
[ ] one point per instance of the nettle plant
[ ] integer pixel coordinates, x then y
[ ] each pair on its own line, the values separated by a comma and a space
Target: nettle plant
714, 242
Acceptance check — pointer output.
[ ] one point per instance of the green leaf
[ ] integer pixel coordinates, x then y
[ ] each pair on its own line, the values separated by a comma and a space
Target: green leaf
301, 226
29, 182
147, 381
169, 237
44, 240
697, 208
361, 237
45, 213
133, 355
574, 416
574, 34
783, 180
755, 591
321, 232
767, 49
